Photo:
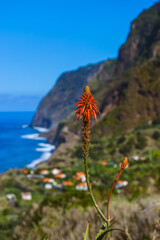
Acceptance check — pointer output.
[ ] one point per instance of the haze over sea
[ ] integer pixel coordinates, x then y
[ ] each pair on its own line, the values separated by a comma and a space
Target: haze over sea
20, 145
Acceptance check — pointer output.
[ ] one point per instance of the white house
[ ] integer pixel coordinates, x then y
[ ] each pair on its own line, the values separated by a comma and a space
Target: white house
81, 186
44, 172
11, 196
56, 171
135, 158
48, 186
26, 196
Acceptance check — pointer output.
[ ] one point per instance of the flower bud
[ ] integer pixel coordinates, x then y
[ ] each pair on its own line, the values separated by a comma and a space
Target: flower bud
124, 163
87, 90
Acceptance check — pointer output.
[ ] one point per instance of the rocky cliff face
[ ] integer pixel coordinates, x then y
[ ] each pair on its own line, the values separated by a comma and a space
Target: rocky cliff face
142, 39
59, 102
127, 89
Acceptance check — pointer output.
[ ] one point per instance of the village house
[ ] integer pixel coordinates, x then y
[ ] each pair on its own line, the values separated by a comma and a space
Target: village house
48, 180
56, 171
25, 171
48, 186
68, 183
10, 196
80, 176
26, 196
44, 172
104, 163
60, 175
135, 158
121, 184
81, 186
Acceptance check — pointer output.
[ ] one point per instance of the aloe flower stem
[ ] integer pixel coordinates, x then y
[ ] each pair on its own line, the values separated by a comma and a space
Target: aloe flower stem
111, 193
110, 197
123, 165
86, 140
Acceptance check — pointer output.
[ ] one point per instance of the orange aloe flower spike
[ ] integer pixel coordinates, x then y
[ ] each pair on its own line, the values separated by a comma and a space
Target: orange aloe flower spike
86, 105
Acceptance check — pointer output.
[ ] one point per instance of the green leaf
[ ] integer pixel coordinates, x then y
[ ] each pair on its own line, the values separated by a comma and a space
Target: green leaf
86, 233
104, 230
102, 233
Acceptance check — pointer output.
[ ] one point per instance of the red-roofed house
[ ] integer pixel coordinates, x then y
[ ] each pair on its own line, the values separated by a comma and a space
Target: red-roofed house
44, 172
48, 180
80, 176
81, 186
25, 171
60, 175
56, 171
104, 163
68, 183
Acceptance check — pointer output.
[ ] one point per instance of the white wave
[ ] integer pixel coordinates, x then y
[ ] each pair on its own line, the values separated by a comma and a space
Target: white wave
44, 157
49, 146
34, 136
25, 126
44, 144
40, 129
46, 147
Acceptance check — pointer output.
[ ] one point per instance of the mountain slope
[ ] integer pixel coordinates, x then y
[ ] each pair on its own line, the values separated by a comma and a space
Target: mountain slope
137, 77
59, 102
127, 88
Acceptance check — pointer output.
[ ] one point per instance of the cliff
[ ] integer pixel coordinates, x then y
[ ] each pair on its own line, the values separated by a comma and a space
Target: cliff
59, 102
127, 88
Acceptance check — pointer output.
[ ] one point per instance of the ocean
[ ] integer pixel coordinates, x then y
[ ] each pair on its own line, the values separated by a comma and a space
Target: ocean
20, 145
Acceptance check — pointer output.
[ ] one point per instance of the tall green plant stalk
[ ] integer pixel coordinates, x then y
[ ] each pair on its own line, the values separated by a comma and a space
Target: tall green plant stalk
86, 141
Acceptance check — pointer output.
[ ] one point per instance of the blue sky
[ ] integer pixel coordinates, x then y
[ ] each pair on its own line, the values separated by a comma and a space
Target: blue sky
41, 39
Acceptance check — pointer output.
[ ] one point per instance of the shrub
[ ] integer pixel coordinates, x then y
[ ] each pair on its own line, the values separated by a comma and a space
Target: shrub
121, 140
127, 148
141, 141
156, 135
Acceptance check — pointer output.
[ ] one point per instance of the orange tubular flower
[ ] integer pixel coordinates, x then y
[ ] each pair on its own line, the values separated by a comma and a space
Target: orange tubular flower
86, 106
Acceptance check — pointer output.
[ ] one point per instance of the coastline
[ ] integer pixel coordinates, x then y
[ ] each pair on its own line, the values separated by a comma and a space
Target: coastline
21, 144
44, 147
